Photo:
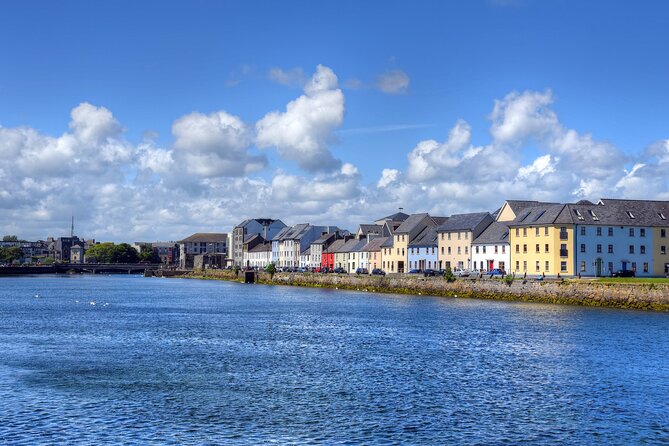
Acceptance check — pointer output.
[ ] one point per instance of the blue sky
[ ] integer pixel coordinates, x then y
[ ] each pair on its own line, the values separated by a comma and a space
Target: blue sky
580, 87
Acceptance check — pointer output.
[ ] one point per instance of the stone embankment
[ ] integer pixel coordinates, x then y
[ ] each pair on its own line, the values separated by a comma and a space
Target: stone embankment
647, 296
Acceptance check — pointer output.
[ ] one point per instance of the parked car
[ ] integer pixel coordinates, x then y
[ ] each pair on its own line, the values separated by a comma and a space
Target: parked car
415, 271
339, 270
459, 272
361, 271
476, 272
430, 272
623, 273
496, 272
378, 272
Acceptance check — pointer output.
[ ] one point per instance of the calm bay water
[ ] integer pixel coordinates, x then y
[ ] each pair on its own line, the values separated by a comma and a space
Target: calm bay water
122, 359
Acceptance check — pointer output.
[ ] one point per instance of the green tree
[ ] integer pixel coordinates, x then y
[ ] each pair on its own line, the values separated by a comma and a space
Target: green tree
270, 269
148, 254
236, 270
448, 275
10, 254
111, 253
10, 238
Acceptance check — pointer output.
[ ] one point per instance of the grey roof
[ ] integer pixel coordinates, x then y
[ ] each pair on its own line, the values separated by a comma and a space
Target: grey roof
261, 247
209, 237
261, 221
350, 245
375, 244
542, 214
518, 205
410, 223
389, 227
324, 238
464, 222
251, 237
426, 238
296, 232
388, 243
616, 212
370, 229
497, 232
282, 233
439, 220
306, 252
335, 245
398, 216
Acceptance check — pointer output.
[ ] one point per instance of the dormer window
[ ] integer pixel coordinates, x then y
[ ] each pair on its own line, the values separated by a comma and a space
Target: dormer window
630, 214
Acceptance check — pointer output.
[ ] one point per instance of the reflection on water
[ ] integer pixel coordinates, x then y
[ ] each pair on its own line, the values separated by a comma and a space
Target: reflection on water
192, 362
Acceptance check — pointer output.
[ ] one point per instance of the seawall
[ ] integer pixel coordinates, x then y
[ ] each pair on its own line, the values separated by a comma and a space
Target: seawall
646, 296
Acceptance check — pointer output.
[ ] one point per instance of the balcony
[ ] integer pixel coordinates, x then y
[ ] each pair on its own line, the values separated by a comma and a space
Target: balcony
564, 235
564, 253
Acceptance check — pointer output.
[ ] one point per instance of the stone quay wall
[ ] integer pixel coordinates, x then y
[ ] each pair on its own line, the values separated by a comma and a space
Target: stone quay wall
647, 296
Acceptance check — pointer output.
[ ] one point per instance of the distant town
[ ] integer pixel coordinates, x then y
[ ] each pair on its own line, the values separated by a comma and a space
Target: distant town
609, 237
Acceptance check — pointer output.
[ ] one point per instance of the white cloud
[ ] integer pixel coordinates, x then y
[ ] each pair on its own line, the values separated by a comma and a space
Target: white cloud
294, 77
303, 132
393, 82
388, 176
214, 145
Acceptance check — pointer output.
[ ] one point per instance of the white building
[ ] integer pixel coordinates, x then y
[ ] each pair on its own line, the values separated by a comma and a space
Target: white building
491, 249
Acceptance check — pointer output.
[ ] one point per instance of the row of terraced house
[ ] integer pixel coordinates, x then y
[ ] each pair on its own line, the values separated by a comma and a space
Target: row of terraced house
521, 237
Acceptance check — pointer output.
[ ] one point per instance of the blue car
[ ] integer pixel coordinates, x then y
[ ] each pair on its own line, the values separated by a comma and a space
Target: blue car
496, 273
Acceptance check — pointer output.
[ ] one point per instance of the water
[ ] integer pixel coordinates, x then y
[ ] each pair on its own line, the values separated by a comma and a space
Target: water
173, 361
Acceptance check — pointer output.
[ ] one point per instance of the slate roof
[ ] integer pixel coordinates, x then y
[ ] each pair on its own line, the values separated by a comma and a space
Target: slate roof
323, 239
282, 233
390, 227
209, 237
426, 238
439, 220
262, 221
463, 222
370, 229
410, 223
399, 216
496, 233
306, 252
261, 247
335, 245
542, 214
251, 237
297, 232
388, 243
616, 212
350, 245
374, 244
518, 205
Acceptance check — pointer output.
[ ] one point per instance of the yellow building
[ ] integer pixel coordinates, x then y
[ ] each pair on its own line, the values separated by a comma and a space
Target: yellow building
396, 249
661, 251
455, 238
542, 241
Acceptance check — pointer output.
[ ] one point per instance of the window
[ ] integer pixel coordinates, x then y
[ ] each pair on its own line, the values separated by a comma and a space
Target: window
495, 249
517, 232
645, 267
642, 249
537, 248
610, 232
466, 235
459, 250
610, 249
517, 249
661, 215
459, 235
563, 266
449, 235
593, 215
582, 266
517, 265
546, 230
578, 214
546, 248
642, 232
449, 250
524, 265
538, 266
610, 266
631, 249
634, 266
563, 233
483, 250
630, 215
582, 230
467, 249
402, 252
599, 249
631, 232
524, 249
582, 247
563, 250
524, 232
663, 232
536, 231
599, 231
663, 250
503, 249
547, 265
442, 250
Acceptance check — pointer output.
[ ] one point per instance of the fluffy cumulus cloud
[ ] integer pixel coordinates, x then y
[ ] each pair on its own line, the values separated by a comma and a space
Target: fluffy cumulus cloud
304, 131
214, 145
